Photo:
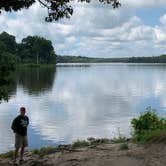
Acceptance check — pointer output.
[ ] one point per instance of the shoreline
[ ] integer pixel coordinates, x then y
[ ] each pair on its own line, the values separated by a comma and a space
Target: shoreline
91, 141
95, 152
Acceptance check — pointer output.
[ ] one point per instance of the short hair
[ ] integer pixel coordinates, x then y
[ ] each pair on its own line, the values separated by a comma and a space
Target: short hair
22, 109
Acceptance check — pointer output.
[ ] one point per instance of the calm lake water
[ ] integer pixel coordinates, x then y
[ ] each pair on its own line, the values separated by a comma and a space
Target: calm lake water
69, 103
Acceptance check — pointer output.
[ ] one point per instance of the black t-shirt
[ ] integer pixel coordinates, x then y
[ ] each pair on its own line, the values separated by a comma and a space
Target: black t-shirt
20, 124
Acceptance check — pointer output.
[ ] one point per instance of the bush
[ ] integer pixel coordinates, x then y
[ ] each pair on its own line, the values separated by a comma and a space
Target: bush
146, 124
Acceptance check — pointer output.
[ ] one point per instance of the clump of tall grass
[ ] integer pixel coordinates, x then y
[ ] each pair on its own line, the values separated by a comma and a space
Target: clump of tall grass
44, 151
7, 154
123, 146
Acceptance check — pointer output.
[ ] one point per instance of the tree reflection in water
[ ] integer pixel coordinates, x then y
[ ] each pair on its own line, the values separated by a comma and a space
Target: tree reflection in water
36, 80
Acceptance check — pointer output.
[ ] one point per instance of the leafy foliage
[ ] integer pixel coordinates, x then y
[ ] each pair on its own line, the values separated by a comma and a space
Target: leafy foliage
9, 42
35, 49
32, 49
15, 5
146, 124
57, 9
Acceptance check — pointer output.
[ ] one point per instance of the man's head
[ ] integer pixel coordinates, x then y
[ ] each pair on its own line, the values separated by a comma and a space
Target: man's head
22, 111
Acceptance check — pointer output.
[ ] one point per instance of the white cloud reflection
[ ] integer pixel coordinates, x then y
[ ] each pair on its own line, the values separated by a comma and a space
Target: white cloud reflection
86, 102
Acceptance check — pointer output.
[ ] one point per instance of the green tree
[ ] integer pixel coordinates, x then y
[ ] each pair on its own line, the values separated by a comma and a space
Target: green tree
56, 8
37, 50
8, 42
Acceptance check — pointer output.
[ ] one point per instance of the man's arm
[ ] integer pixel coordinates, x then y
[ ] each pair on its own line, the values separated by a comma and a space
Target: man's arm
14, 125
28, 121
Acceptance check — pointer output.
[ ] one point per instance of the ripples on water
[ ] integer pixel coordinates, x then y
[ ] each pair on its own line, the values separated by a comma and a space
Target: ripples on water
70, 103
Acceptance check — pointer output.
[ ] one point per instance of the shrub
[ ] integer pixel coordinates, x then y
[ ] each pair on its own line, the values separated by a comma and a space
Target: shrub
146, 124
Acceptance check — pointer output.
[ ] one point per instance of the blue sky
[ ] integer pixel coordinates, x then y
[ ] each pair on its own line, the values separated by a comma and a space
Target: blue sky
138, 28
150, 16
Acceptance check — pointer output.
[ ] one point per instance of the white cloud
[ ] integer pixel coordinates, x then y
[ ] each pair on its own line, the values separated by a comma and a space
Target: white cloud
93, 30
143, 3
163, 19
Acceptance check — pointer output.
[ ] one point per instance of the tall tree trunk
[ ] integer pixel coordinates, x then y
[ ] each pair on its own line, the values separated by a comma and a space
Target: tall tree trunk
37, 59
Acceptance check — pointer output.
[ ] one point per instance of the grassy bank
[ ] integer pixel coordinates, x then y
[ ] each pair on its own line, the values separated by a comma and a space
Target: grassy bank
90, 142
33, 65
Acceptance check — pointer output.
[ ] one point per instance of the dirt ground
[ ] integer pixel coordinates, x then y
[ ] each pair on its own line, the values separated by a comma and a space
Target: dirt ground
101, 155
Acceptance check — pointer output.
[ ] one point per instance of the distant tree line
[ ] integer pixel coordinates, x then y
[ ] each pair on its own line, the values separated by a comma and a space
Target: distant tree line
153, 59
81, 59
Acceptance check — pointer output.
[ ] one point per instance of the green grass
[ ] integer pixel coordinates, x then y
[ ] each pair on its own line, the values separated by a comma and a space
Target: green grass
158, 136
7, 154
119, 140
123, 146
94, 141
44, 151
80, 144
77, 144
33, 65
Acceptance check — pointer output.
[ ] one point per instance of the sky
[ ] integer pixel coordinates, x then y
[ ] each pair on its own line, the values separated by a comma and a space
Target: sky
137, 28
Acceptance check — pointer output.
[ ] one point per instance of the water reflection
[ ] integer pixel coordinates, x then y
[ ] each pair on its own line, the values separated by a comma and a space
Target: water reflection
7, 87
83, 102
25, 82
36, 80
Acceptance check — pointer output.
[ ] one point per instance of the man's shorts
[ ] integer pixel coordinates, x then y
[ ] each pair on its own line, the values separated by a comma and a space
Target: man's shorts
20, 141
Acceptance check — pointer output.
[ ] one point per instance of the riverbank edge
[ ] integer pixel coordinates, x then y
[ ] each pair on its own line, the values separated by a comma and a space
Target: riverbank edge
89, 143
94, 152
33, 65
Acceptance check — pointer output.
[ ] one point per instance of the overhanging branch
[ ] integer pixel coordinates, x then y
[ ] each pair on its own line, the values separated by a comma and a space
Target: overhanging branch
57, 9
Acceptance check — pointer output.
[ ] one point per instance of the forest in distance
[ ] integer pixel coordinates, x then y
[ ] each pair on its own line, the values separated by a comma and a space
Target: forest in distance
36, 50
82, 59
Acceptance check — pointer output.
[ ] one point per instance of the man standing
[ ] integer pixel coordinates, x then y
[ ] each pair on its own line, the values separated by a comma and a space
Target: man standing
19, 127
